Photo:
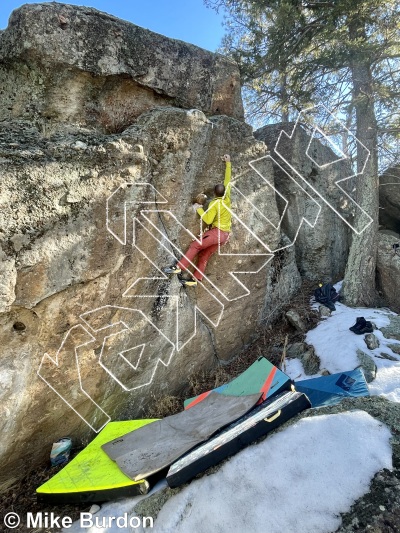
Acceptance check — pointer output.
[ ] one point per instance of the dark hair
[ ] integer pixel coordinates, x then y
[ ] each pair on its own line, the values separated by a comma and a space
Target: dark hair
219, 190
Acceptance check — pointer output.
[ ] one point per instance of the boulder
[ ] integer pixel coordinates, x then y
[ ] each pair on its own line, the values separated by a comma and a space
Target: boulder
75, 64
388, 269
91, 220
389, 199
91, 329
322, 251
284, 282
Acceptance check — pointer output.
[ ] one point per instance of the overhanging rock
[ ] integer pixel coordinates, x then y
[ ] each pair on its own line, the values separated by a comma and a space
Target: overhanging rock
77, 64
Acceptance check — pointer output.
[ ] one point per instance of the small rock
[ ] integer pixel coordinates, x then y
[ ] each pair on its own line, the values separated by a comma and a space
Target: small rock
368, 366
371, 341
63, 20
72, 198
295, 350
79, 145
138, 149
131, 171
395, 348
325, 372
392, 331
384, 355
19, 240
296, 321
94, 509
310, 362
324, 312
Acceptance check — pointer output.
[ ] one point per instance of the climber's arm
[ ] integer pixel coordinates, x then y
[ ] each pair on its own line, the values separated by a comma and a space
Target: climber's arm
227, 180
228, 168
209, 215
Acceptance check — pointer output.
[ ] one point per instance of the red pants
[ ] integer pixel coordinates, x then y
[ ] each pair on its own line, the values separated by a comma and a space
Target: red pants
204, 249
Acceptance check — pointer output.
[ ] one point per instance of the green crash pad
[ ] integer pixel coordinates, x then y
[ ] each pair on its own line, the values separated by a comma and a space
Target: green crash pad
152, 448
262, 376
91, 476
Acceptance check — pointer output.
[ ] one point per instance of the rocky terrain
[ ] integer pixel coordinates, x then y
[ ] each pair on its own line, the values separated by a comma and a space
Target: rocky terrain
111, 134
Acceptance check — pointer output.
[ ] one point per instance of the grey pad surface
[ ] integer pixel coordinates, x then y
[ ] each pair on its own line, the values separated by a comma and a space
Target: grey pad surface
151, 448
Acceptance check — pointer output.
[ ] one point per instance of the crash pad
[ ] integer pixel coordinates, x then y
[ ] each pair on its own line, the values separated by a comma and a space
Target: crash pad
262, 376
154, 447
329, 390
257, 423
91, 476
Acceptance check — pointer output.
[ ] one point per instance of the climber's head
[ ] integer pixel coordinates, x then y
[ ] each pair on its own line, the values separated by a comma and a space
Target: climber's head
219, 190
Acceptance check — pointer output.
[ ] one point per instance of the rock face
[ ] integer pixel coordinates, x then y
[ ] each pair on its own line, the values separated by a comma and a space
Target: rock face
86, 222
388, 268
389, 199
90, 328
321, 251
76, 64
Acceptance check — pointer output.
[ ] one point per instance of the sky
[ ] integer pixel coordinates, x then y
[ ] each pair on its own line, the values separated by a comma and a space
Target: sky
266, 488
187, 20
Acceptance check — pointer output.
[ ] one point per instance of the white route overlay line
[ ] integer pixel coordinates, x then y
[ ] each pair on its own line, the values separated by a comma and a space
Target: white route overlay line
46, 358
287, 203
326, 137
122, 308
334, 147
123, 187
175, 346
216, 287
173, 297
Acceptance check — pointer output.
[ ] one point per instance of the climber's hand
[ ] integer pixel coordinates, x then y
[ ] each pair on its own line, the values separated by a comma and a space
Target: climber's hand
226, 157
195, 207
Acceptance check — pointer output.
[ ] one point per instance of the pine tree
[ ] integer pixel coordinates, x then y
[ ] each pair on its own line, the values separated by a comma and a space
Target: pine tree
345, 52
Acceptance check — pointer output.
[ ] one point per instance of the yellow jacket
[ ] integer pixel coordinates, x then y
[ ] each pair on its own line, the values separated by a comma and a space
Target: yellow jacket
218, 214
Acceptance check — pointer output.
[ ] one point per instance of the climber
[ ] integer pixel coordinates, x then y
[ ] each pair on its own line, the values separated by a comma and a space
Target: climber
218, 216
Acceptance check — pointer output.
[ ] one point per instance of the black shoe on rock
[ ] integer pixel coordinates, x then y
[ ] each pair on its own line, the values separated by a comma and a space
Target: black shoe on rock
366, 328
360, 322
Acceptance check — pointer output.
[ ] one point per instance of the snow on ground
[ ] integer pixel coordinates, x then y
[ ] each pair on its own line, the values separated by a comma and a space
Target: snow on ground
336, 345
387, 383
295, 481
298, 480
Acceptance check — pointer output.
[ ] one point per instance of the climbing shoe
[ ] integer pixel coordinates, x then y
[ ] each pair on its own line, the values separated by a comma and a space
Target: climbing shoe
366, 328
360, 323
174, 269
187, 282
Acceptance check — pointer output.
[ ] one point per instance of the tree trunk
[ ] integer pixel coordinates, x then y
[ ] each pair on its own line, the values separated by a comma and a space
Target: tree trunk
359, 280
